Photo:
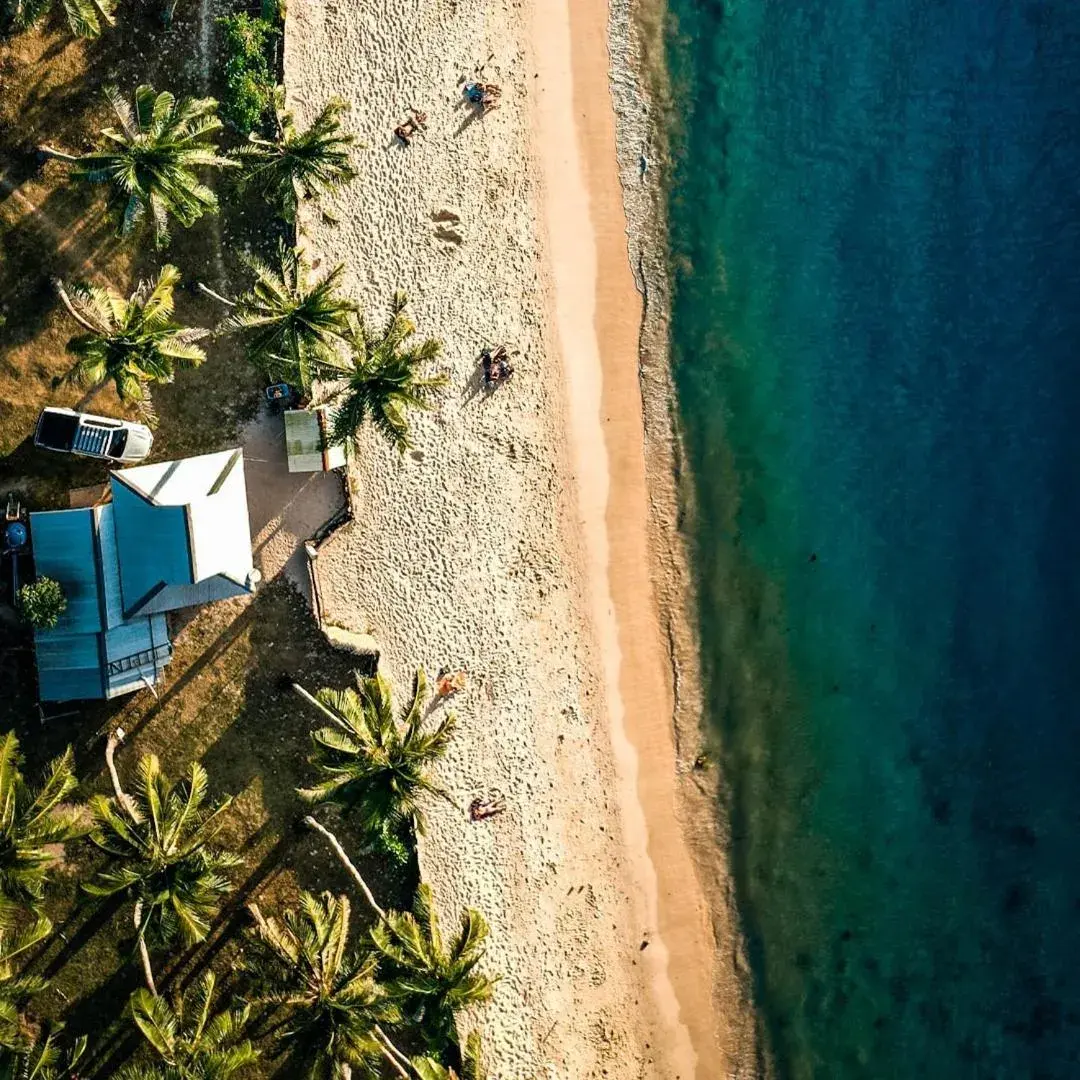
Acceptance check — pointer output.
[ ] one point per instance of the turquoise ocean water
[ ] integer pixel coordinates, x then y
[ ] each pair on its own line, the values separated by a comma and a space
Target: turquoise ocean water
875, 212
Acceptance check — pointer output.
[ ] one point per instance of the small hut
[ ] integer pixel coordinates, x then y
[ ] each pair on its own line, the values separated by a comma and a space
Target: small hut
307, 441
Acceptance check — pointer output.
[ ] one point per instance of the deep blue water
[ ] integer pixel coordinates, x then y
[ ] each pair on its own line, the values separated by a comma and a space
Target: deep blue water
875, 214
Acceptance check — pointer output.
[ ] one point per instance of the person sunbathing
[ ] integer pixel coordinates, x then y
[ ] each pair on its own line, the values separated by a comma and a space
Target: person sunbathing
415, 125
497, 366
486, 95
481, 809
450, 682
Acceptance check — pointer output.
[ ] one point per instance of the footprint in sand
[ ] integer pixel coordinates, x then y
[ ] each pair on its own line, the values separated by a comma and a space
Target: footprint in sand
444, 221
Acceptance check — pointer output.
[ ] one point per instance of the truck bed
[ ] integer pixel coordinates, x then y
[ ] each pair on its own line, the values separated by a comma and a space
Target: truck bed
57, 430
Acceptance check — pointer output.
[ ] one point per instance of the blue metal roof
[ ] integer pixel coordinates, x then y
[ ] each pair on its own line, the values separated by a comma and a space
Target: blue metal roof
154, 548
69, 666
175, 534
93, 652
65, 550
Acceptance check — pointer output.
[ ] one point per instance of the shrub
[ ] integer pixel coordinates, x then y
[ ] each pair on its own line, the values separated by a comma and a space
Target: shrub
249, 86
42, 602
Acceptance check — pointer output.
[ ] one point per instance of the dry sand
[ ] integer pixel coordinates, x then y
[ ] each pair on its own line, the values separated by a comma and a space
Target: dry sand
514, 542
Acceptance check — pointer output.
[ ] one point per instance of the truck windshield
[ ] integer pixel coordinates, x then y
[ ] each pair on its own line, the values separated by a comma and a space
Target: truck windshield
118, 443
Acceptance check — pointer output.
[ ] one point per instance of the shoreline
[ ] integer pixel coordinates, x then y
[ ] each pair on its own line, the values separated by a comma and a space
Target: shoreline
639, 572
641, 98
640, 94
493, 546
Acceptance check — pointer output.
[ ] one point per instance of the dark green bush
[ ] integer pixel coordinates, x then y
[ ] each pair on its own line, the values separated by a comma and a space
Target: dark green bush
249, 84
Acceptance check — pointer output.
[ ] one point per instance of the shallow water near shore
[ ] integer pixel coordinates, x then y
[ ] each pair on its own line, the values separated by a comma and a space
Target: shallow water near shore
875, 235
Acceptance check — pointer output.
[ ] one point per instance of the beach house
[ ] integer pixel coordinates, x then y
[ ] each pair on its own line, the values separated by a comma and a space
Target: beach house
174, 534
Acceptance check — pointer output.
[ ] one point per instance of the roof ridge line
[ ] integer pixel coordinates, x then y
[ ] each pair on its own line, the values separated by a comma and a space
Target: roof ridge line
118, 474
227, 468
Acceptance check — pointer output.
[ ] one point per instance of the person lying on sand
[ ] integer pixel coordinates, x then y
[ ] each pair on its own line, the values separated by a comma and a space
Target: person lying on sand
450, 682
415, 125
479, 809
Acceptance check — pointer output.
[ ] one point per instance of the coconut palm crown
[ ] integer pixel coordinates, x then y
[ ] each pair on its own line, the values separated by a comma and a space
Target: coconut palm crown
85, 18
473, 1066
433, 975
130, 342
33, 823
294, 327
386, 378
188, 1039
296, 165
44, 1057
152, 160
15, 988
372, 764
332, 1002
165, 859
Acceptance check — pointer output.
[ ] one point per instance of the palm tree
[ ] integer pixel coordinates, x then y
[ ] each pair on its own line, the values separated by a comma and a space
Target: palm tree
161, 838
16, 989
433, 976
386, 378
190, 1041
297, 165
334, 1007
294, 325
43, 1059
130, 342
33, 824
431, 979
85, 18
373, 765
472, 1063
152, 160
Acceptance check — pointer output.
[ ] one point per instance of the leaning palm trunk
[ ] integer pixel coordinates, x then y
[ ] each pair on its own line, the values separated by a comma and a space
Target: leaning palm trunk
111, 743
345, 861
437, 973
59, 155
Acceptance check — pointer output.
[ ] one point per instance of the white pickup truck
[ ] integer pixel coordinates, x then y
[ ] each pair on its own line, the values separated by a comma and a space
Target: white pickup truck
102, 437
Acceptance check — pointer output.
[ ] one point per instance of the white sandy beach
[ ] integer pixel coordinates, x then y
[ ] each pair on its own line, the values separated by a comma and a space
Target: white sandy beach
514, 542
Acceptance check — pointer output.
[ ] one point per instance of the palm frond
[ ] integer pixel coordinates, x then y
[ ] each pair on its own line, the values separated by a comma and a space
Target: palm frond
298, 165
295, 327
152, 161
166, 859
387, 379
189, 1037
33, 822
329, 992
434, 977
133, 340
372, 764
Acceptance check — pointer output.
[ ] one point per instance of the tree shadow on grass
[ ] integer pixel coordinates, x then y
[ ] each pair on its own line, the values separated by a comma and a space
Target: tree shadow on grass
100, 1015
82, 926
